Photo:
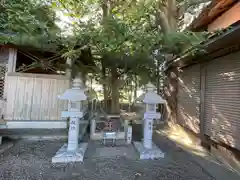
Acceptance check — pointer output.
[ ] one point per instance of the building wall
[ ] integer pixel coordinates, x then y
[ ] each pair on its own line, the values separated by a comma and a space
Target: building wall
34, 96
226, 19
221, 97
208, 97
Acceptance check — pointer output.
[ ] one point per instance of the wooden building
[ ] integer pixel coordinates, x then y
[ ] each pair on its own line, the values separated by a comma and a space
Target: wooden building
203, 90
30, 81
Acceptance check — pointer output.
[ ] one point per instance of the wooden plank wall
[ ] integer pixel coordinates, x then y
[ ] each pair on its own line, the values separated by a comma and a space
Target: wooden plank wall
34, 96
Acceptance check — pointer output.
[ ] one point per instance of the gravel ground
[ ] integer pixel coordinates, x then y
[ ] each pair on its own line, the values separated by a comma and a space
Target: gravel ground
31, 160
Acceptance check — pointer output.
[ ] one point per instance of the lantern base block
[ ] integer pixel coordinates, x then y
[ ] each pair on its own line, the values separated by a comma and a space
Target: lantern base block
65, 156
145, 153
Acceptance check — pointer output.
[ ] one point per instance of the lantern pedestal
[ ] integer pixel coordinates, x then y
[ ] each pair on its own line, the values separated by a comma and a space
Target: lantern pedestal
64, 155
72, 151
147, 149
146, 153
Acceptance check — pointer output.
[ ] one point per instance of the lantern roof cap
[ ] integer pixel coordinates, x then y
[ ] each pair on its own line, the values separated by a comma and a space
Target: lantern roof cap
151, 97
76, 93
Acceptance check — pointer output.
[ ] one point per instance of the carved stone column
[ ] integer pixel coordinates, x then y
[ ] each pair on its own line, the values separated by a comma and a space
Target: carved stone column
72, 151
147, 149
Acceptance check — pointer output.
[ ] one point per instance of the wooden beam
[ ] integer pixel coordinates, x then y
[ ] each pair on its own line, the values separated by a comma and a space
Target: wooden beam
11, 67
33, 75
12, 59
202, 98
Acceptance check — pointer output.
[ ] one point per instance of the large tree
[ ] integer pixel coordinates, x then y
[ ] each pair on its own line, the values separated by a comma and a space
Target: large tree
120, 47
128, 38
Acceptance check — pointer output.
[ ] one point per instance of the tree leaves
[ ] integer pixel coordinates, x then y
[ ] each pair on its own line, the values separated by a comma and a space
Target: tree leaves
29, 23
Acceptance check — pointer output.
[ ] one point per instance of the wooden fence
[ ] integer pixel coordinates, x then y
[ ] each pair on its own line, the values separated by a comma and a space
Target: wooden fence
34, 96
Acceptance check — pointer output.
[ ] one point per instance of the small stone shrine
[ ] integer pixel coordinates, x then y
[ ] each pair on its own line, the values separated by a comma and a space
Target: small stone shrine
72, 151
147, 149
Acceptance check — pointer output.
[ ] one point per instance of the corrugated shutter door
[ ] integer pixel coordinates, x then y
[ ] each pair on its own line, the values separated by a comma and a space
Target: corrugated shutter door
222, 100
189, 98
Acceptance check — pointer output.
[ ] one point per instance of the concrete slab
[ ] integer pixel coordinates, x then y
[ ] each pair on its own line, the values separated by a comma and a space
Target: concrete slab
98, 150
113, 152
64, 156
145, 153
41, 134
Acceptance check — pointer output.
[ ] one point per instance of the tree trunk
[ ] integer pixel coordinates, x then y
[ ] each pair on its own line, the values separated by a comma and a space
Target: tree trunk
135, 88
158, 80
166, 16
162, 21
105, 14
172, 14
84, 77
68, 69
130, 97
115, 105
105, 93
158, 75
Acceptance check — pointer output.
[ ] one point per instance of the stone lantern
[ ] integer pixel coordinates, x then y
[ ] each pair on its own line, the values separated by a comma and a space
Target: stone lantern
72, 151
147, 149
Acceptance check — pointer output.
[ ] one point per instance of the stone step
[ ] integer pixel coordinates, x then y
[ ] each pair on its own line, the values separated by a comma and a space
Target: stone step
40, 134
9, 132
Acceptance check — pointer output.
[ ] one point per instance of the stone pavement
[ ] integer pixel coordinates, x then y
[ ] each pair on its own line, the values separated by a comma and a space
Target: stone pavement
208, 164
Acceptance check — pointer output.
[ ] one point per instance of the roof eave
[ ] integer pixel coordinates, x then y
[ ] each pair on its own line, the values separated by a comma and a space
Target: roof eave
218, 46
210, 13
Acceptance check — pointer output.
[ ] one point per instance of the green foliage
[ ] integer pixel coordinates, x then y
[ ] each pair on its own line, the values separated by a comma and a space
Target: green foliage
29, 23
26, 16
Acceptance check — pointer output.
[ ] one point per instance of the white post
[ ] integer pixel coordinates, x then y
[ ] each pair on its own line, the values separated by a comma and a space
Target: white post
129, 134
73, 134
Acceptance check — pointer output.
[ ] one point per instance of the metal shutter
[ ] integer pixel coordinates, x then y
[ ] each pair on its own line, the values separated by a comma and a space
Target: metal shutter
222, 100
189, 98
